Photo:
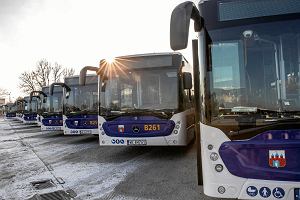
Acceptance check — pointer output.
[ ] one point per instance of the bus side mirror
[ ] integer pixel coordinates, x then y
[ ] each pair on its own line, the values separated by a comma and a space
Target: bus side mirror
103, 86
187, 80
180, 23
83, 71
67, 94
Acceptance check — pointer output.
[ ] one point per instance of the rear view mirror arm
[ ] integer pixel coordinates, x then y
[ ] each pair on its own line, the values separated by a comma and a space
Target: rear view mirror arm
83, 71
180, 22
51, 88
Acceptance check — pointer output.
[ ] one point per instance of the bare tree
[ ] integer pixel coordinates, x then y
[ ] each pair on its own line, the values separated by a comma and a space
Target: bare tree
27, 83
3, 92
68, 72
57, 72
43, 75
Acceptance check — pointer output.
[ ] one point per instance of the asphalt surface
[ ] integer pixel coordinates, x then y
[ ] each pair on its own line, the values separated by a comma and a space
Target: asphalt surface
78, 165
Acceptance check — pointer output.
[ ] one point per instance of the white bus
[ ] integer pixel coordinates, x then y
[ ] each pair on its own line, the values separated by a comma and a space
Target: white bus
10, 111
80, 106
30, 110
20, 103
40, 97
145, 99
53, 115
247, 95
50, 113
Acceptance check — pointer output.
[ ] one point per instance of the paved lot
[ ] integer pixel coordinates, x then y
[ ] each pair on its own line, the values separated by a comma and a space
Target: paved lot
87, 171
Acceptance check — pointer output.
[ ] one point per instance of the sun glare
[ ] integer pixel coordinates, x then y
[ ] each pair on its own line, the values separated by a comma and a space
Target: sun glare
110, 60
113, 67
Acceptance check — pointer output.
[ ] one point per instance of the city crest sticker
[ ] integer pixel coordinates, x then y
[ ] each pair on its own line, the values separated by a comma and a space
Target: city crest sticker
121, 128
277, 158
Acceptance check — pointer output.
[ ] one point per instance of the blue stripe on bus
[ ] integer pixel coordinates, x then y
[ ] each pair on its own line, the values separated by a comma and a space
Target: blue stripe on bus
11, 115
252, 159
82, 121
134, 126
54, 120
30, 117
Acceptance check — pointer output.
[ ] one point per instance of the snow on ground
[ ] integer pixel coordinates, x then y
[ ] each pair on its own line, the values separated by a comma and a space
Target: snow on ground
91, 171
19, 166
27, 167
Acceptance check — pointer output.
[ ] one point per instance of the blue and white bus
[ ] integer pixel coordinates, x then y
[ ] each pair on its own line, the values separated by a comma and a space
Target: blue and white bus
30, 110
41, 98
247, 95
53, 114
20, 108
10, 111
51, 110
145, 99
80, 113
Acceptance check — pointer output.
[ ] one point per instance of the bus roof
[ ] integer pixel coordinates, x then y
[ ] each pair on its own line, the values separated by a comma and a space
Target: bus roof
57, 89
228, 13
74, 80
151, 60
150, 54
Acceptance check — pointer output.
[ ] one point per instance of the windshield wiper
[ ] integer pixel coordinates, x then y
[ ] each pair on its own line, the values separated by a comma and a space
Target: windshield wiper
246, 118
165, 113
251, 111
82, 112
148, 110
245, 109
279, 124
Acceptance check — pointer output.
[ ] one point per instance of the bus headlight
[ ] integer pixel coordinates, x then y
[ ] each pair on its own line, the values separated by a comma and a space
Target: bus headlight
210, 147
177, 127
221, 190
93, 122
76, 123
214, 156
219, 167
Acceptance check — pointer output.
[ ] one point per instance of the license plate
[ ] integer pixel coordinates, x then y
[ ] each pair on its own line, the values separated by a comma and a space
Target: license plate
85, 132
137, 142
297, 193
52, 128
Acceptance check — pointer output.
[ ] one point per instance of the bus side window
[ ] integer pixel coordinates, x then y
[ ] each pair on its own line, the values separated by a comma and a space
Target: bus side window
186, 85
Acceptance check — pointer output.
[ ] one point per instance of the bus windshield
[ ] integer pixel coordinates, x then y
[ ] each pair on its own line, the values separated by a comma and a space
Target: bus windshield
34, 105
26, 104
10, 108
31, 107
82, 99
53, 104
141, 90
254, 67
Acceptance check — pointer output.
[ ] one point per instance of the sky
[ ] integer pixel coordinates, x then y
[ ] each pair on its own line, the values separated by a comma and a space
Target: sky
77, 33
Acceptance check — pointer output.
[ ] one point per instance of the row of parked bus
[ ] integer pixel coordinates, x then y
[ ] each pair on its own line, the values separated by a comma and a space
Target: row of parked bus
132, 100
246, 92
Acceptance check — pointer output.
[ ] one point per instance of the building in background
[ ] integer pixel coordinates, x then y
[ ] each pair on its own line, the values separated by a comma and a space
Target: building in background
2, 103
